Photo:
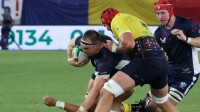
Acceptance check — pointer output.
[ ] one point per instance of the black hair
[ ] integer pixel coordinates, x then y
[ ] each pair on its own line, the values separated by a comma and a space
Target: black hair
93, 35
6, 7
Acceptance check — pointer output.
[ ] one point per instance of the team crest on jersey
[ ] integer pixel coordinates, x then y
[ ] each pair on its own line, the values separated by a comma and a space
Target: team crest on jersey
182, 85
163, 40
117, 28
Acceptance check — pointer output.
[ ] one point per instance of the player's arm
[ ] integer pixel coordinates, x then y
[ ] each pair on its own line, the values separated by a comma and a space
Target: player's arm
192, 41
126, 44
94, 93
72, 60
51, 102
70, 47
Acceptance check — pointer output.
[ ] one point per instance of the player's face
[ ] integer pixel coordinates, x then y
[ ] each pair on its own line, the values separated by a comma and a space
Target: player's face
163, 16
90, 50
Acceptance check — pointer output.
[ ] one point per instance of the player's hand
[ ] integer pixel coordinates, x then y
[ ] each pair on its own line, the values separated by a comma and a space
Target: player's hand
109, 44
49, 101
179, 33
74, 62
82, 63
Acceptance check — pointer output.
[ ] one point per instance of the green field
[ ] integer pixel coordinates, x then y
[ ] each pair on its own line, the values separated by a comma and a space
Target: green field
27, 76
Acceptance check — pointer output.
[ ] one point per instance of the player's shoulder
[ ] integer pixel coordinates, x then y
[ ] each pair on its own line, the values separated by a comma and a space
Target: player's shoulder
104, 38
118, 18
158, 31
159, 28
184, 20
122, 15
77, 40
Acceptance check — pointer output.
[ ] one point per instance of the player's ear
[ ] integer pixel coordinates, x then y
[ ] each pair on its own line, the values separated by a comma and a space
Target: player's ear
99, 44
103, 44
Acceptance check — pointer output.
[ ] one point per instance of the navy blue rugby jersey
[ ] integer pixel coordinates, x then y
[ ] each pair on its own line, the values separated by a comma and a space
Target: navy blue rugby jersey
105, 61
181, 55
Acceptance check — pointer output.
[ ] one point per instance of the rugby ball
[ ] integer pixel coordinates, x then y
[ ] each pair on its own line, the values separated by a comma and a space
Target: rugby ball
78, 53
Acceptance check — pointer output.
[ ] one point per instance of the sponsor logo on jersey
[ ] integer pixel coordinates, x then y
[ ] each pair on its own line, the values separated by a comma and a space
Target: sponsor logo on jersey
163, 40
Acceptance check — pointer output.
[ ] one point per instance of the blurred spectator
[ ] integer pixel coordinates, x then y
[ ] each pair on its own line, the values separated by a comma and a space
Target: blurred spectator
7, 23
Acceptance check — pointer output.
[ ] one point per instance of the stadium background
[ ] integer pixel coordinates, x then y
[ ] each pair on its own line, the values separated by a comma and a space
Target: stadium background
26, 76
87, 12
50, 24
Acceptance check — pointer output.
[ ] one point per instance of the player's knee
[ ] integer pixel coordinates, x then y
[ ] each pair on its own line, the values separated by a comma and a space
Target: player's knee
113, 88
175, 96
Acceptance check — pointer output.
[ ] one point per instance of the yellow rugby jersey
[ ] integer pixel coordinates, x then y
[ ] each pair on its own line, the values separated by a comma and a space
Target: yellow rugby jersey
127, 23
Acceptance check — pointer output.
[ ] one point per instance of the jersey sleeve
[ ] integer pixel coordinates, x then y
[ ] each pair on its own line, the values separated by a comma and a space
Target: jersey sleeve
127, 23
156, 35
78, 40
194, 29
119, 27
104, 38
73, 42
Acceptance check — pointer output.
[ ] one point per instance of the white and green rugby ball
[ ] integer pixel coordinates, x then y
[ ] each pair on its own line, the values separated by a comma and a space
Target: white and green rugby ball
78, 53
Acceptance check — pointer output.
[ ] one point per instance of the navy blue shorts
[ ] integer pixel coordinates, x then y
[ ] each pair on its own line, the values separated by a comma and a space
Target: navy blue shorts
183, 82
148, 70
111, 74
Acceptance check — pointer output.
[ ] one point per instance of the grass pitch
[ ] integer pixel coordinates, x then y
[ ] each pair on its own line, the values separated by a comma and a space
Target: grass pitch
27, 76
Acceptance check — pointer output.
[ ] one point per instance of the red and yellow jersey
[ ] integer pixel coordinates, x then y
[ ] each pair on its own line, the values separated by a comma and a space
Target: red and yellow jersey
127, 23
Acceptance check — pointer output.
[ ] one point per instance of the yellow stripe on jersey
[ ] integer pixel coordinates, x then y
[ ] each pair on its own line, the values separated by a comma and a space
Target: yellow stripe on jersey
127, 23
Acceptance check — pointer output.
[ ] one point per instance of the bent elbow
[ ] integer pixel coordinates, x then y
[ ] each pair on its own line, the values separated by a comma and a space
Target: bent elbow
131, 46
